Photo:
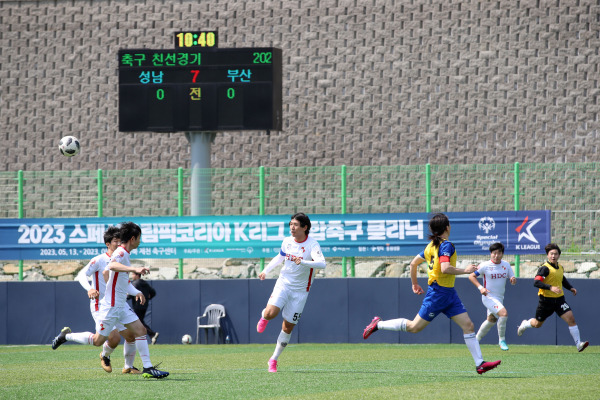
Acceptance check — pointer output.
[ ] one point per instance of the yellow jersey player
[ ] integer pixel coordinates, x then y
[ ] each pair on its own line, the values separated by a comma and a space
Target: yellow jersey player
441, 296
550, 280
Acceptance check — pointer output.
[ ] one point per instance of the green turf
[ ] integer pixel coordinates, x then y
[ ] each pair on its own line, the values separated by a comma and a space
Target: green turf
322, 371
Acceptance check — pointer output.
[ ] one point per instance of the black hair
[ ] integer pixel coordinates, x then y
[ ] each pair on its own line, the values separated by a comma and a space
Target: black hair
303, 219
110, 233
437, 226
497, 246
128, 230
552, 246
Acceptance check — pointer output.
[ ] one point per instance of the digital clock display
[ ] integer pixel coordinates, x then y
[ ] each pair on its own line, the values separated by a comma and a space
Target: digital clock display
185, 40
200, 89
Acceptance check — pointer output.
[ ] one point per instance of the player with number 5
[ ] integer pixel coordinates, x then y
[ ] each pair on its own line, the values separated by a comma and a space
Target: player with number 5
300, 254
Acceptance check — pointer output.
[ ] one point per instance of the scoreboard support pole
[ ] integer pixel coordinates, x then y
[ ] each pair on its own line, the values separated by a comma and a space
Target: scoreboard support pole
200, 190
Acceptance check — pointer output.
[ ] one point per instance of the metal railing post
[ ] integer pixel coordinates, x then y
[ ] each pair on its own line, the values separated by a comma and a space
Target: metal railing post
20, 196
261, 202
343, 196
100, 194
180, 211
428, 188
517, 206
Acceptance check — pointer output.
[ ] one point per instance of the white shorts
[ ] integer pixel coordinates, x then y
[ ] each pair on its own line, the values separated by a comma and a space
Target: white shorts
110, 317
493, 304
118, 326
290, 302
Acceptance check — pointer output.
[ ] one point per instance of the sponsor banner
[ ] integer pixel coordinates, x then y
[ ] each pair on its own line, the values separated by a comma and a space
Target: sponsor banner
521, 232
365, 235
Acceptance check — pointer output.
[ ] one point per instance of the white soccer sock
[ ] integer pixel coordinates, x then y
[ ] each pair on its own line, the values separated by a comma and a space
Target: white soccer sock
575, 333
80, 337
106, 350
262, 313
141, 344
502, 328
282, 341
473, 346
484, 329
393, 324
129, 353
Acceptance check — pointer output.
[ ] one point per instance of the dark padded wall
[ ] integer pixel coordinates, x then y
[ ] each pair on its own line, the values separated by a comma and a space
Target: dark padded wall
174, 309
337, 311
3, 313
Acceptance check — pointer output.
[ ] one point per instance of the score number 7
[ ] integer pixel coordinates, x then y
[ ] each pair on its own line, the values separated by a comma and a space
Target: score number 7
195, 73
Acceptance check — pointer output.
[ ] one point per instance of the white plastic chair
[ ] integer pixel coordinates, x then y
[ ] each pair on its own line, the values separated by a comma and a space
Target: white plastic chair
213, 313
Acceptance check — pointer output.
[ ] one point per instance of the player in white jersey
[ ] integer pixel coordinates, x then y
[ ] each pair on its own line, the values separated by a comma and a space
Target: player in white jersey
494, 272
300, 254
95, 291
113, 306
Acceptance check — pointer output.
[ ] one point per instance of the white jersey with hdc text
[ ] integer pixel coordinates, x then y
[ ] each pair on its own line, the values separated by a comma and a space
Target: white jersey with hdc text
118, 282
94, 269
292, 275
494, 276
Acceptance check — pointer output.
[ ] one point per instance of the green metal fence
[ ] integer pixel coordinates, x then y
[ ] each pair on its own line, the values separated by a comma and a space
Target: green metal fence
569, 190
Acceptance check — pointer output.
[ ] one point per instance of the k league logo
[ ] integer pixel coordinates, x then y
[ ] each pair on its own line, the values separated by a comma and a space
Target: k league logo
524, 230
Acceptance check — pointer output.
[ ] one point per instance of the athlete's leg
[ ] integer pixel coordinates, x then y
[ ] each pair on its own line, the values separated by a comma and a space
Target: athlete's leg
468, 329
569, 318
139, 332
502, 318
464, 321
129, 349
282, 340
111, 344
270, 312
486, 326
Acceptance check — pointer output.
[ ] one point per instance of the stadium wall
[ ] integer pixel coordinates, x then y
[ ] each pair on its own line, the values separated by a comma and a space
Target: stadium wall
336, 312
378, 82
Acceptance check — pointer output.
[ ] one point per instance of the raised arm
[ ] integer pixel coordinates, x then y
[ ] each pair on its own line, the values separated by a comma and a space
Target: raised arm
275, 261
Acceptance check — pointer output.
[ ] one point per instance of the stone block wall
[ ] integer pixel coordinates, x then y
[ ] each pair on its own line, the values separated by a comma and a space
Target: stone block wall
378, 82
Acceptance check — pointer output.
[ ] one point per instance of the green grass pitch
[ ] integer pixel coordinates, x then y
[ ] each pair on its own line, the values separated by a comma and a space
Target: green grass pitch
306, 371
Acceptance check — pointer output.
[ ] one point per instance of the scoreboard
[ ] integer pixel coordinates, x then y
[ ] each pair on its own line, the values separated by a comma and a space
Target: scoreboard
194, 88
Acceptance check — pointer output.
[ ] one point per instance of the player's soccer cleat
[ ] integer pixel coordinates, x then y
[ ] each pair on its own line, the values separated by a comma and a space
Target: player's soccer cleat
503, 345
522, 328
262, 324
272, 365
105, 363
372, 327
581, 346
132, 370
154, 338
61, 338
152, 372
487, 365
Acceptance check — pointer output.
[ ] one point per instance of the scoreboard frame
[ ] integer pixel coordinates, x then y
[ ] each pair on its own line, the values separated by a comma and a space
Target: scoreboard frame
200, 89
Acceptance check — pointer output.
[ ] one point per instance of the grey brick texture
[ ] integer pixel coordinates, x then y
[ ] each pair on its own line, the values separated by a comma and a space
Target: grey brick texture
370, 82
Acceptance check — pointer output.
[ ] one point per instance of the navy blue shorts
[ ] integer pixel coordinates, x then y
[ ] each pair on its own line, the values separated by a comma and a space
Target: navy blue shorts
439, 299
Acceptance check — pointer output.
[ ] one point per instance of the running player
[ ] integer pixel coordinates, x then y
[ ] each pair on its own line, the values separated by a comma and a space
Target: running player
300, 254
494, 272
441, 296
113, 306
95, 291
550, 280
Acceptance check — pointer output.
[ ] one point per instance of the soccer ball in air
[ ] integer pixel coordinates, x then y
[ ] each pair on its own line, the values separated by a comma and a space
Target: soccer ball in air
69, 146
186, 339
